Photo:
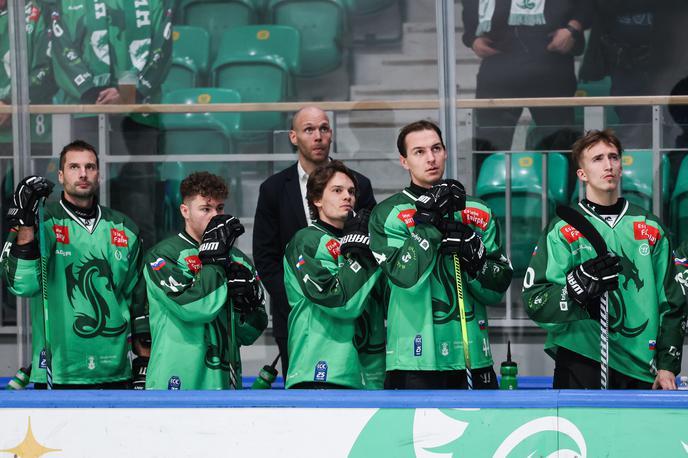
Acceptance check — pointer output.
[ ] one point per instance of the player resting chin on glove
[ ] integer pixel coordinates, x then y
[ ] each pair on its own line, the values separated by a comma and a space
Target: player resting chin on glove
194, 281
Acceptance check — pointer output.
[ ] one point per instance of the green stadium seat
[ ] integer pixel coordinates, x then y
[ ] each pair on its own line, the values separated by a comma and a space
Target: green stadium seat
679, 205
216, 16
190, 57
526, 201
322, 24
258, 62
197, 133
600, 88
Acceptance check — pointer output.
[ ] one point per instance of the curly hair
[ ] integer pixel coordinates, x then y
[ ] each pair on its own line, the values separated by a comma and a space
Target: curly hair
203, 184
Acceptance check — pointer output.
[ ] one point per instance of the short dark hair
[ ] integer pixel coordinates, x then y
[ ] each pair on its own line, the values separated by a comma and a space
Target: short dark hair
317, 182
591, 138
203, 184
416, 126
76, 145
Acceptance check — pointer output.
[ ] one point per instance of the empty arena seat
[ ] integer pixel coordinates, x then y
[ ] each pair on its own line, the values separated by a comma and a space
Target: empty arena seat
216, 16
258, 62
190, 57
369, 6
322, 24
526, 201
600, 88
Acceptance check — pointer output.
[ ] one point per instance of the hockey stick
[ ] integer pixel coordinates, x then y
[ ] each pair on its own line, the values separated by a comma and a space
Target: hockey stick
44, 291
462, 311
234, 376
585, 227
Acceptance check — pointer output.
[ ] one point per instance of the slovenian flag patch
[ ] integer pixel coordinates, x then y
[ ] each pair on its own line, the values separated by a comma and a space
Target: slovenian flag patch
300, 262
158, 264
652, 344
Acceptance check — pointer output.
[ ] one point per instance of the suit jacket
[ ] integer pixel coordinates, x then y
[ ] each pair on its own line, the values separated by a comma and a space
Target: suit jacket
279, 215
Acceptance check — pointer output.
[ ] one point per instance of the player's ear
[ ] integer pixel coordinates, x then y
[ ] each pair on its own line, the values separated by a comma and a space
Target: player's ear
580, 173
184, 210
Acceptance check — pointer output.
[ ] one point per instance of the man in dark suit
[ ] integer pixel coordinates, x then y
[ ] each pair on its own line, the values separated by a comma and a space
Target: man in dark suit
282, 210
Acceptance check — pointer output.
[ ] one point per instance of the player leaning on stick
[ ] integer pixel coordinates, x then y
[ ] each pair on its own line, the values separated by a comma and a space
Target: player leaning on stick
204, 297
414, 241
566, 278
93, 261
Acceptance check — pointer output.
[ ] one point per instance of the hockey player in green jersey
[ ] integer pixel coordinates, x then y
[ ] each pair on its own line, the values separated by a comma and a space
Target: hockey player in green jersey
566, 278
93, 262
329, 273
203, 294
414, 241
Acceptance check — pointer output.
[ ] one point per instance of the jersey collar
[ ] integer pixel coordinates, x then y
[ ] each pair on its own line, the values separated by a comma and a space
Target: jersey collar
79, 220
187, 238
591, 209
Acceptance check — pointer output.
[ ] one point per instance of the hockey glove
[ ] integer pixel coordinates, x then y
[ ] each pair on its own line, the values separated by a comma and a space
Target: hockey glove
23, 210
433, 204
356, 240
218, 237
459, 239
458, 193
243, 288
587, 282
138, 368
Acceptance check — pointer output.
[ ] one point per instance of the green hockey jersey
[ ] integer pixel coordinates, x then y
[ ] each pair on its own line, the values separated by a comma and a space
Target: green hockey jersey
327, 293
371, 336
423, 324
189, 318
41, 86
92, 271
646, 312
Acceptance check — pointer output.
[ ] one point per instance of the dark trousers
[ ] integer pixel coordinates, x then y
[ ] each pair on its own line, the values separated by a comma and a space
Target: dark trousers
483, 379
284, 354
121, 385
574, 371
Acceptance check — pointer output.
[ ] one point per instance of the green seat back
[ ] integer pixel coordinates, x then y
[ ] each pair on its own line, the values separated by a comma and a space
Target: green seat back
526, 191
206, 133
679, 205
637, 181
257, 62
321, 24
190, 57
600, 88
216, 16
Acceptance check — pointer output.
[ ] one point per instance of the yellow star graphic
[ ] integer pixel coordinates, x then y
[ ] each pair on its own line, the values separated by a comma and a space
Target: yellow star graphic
29, 447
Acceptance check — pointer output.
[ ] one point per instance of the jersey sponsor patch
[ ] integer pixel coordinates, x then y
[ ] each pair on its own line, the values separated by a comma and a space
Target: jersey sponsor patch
193, 263
35, 14
333, 247
119, 238
570, 233
320, 374
174, 383
406, 217
158, 264
642, 231
418, 345
61, 234
475, 217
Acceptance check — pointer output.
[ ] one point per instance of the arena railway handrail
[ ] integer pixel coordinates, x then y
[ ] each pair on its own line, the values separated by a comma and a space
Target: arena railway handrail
363, 105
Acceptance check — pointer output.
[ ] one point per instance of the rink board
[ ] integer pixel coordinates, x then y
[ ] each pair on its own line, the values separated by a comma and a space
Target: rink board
344, 423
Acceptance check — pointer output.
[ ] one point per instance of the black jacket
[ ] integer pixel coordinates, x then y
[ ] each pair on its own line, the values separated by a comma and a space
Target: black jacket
279, 215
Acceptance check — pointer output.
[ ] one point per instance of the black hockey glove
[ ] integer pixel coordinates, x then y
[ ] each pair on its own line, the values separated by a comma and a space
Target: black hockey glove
23, 210
433, 204
587, 282
138, 369
243, 288
459, 239
218, 237
458, 193
356, 240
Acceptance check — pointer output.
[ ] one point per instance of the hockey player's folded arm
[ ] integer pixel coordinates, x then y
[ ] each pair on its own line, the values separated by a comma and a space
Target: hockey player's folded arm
250, 326
672, 310
134, 273
407, 259
544, 294
338, 292
196, 300
495, 277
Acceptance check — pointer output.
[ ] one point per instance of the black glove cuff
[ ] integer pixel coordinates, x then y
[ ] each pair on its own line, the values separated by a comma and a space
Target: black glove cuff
28, 251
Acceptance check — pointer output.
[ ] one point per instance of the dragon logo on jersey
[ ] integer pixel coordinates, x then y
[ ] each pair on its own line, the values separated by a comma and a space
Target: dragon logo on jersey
443, 312
100, 46
83, 287
217, 353
618, 315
